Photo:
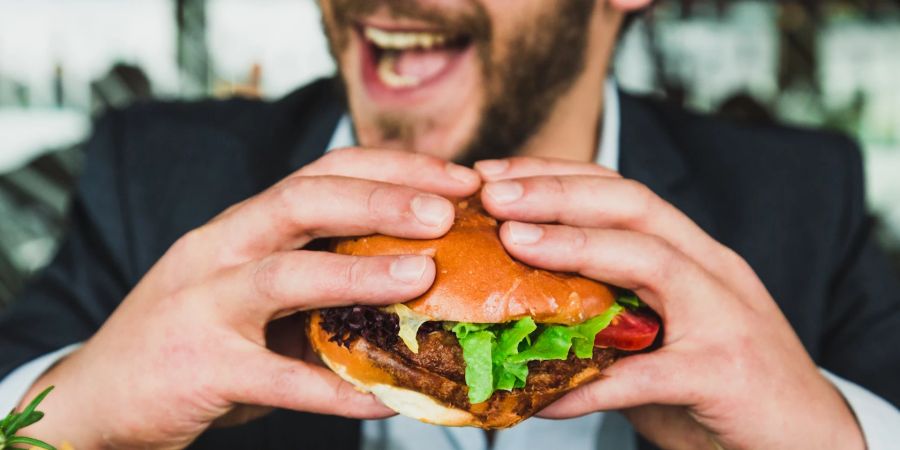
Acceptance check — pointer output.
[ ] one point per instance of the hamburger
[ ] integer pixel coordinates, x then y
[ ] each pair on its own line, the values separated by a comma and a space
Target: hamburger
491, 343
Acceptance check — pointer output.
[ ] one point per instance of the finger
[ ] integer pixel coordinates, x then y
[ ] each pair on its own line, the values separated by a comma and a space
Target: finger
660, 274
300, 209
287, 282
670, 427
272, 380
417, 170
524, 166
653, 378
603, 202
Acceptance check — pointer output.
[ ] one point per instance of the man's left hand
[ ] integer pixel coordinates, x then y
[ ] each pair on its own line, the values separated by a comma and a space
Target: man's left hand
731, 371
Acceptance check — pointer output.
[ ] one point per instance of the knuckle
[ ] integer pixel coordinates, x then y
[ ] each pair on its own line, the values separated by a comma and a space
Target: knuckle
579, 240
659, 261
581, 244
187, 243
517, 163
383, 203
292, 200
642, 200
353, 274
390, 203
426, 160
735, 262
586, 397
338, 278
344, 396
267, 276
287, 193
375, 200
176, 299
557, 185
283, 377
338, 156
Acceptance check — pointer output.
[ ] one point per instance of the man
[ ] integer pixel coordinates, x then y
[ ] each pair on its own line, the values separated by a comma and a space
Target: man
187, 314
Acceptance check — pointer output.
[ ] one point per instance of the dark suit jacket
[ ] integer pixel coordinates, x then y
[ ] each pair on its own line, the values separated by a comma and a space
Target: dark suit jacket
790, 201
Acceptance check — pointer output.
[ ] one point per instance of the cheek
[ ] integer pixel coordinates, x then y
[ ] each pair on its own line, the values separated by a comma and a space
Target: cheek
512, 24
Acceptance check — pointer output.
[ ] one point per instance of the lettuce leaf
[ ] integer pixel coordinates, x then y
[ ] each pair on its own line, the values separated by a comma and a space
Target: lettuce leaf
497, 355
556, 340
630, 300
507, 375
477, 347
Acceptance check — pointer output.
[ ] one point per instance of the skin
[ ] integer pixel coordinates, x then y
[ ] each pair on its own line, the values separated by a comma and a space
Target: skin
211, 327
731, 372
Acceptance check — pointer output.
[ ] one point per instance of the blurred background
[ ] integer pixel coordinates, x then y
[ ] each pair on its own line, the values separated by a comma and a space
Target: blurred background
815, 63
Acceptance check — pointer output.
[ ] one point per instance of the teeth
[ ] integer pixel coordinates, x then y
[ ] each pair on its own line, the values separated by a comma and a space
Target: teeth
390, 77
404, 40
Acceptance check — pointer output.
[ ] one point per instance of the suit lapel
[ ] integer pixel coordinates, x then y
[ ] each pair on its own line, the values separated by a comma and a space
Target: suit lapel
650, 154
295, 132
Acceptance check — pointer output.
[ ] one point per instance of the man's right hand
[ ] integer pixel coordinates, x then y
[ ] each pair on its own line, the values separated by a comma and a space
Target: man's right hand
189, 345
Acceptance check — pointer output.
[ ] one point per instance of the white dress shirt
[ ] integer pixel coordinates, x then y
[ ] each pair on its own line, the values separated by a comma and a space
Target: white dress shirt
879, 420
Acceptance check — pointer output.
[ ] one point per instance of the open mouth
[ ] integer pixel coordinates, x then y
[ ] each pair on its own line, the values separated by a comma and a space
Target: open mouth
406, 60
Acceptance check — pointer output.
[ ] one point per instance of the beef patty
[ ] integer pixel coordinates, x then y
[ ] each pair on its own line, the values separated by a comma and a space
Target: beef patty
439, 368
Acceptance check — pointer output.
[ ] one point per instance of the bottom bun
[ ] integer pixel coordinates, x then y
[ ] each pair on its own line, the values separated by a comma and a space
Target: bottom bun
409, 403
434, 398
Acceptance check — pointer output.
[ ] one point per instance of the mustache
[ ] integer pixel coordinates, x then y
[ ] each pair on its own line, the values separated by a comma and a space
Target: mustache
471, 20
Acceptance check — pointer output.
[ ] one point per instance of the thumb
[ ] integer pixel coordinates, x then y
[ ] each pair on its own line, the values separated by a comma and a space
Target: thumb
283, 382
651, 378
670, 427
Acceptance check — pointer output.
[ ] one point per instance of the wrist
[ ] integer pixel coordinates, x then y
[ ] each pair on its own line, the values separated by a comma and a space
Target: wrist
825, 417
67, 417
851, 433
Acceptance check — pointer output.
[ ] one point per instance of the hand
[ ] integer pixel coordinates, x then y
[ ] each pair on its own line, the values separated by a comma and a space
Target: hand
188, 346
731, 372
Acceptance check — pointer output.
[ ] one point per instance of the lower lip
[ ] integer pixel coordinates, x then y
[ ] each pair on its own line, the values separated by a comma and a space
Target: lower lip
384, 93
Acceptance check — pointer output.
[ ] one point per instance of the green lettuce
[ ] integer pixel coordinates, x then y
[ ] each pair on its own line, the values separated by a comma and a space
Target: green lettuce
497, 355
630, 300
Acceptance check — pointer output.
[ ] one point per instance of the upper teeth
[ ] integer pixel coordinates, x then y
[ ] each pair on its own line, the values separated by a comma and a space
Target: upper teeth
404, 40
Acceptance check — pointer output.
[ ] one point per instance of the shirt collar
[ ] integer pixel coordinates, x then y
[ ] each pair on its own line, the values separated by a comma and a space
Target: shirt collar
608, 148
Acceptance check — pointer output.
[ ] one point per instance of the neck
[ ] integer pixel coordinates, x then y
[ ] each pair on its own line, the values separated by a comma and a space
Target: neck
573, 129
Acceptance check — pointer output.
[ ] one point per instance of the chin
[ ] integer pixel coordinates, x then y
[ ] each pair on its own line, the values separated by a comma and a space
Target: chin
411, 86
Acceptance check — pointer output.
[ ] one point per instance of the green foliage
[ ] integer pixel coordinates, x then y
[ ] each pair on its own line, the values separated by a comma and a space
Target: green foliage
14, 422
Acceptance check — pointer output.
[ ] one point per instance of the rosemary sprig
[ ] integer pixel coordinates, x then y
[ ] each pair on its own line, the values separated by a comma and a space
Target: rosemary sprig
16, 421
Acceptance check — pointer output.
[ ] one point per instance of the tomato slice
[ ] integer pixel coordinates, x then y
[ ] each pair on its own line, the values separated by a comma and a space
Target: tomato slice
630, 331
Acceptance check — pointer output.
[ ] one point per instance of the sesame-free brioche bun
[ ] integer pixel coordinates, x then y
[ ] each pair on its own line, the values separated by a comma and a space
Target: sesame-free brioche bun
478, 281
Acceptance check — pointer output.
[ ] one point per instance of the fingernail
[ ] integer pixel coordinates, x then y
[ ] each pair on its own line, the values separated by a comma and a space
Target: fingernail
524, 233
462, 174
431, 210
492, 166
504, 191
409, 269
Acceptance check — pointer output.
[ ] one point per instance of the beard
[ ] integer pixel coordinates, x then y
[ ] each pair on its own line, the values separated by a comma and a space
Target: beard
539, 64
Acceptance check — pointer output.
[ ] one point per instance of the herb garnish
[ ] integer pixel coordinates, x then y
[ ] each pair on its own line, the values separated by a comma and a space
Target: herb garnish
16, 421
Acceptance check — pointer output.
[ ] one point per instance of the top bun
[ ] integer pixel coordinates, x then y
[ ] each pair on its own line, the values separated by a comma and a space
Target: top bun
478, 281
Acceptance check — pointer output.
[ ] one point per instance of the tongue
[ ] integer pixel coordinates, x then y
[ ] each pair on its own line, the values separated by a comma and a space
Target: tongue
421, 64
